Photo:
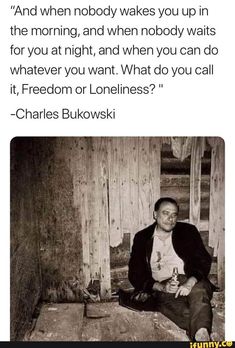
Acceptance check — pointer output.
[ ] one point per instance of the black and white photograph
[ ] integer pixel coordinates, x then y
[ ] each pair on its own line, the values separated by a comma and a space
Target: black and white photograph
117, 239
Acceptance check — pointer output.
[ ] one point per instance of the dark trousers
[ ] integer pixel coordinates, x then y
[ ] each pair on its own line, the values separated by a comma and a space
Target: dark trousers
190, 312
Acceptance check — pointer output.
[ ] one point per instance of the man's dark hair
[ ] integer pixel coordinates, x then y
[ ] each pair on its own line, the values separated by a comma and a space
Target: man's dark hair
165, 199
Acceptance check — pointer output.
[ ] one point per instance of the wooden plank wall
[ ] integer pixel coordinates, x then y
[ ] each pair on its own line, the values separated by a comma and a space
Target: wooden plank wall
217, 200
116, 182
188, 181
197, 183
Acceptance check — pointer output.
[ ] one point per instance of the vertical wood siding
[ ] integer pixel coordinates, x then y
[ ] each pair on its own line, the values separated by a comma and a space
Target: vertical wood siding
195, 182
115, 184
217, 200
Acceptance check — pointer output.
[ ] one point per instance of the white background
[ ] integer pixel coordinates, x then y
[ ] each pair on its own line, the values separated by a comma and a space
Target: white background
185, 106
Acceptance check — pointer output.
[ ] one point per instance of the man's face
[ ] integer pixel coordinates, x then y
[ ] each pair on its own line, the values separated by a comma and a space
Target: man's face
166, 216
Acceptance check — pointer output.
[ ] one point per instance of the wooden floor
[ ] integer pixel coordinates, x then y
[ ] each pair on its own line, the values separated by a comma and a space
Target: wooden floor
111, 322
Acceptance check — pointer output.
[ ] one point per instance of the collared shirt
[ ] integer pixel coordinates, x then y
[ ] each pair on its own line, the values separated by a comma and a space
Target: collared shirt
164, 258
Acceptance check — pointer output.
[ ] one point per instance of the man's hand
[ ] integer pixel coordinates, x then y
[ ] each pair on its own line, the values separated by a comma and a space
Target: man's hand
140, 297
183, 291
172, 286
186, 288
157, 286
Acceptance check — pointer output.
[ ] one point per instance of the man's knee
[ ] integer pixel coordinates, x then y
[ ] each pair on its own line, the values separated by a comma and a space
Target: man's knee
201, 290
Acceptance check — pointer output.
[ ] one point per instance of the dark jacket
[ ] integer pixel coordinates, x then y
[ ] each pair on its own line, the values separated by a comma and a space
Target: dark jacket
187, 244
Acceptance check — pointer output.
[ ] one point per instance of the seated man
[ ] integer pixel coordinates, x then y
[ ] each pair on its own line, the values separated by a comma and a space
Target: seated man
159, 249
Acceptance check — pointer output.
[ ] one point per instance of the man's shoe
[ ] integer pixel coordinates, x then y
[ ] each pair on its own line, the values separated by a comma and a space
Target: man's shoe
202, 335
